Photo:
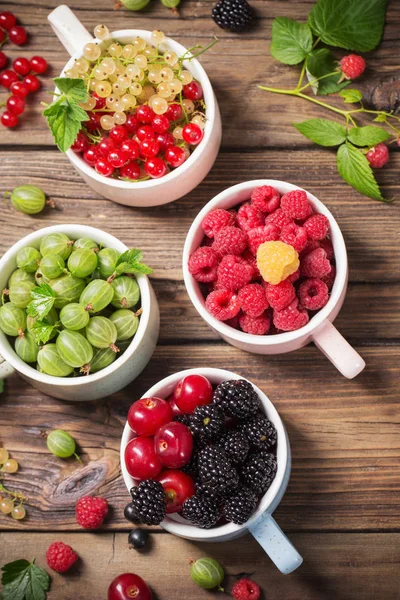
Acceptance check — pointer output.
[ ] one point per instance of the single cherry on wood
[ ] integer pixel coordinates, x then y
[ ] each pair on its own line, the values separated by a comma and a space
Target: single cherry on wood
129, 586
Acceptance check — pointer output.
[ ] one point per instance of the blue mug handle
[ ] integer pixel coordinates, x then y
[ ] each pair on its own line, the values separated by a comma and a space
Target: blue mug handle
275, 543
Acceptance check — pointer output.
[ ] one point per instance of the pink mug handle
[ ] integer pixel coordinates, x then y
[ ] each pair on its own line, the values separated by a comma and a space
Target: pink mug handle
331, 343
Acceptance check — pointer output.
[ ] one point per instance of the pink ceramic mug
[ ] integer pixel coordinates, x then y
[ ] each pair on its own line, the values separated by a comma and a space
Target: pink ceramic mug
319, 329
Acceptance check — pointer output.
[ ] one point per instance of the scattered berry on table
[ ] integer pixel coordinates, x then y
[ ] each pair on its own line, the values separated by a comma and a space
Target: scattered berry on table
240, 505
259, 432
216, 219
234, 15
280, 295
18, 35
352, 66
258, 472
60, 557
246, 589
138, 538
378, 156
7, 20
201, 512
90, 511
149, 502
255, 325
253, 300
233, 273
129, 513
237, 398
127, 586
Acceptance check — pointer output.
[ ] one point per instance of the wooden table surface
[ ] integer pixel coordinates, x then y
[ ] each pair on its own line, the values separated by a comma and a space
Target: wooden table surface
342, 505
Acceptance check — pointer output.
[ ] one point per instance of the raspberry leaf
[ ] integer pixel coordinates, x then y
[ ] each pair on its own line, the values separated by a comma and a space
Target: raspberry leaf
320, 63
356, 171
368, 136
322, 131
42, 302
291, 41
351, 96
355, 25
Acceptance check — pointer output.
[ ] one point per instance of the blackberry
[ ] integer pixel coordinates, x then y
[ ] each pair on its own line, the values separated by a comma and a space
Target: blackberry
234, 15
217, 476
235, 444
182, 418
260, 432
191, 467
236, 398
207, 423
259, 471
200, 512
240, 505
148, 500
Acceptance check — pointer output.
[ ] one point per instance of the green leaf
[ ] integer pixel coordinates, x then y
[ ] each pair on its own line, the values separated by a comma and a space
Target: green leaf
13, 570
322, 131
22, 580
291, 40
77, 113
130, 255
42, 331
38, 584
65, 124
319, 63
381, 118
351, 96
368, 136
73, 90
42, 302
354, 25
53, 109
129, 262
355, 170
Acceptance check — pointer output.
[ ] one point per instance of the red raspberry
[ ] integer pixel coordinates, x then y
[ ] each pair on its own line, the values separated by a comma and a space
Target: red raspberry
230, 240
378, 156
294, 235
327, 246
255, 325
249, 217
295, 204
223, 304
315, 264
266, 198
330, 279
252, 260
234, 273
317, 227
310, 246
352, 66
216, 219
259, 235
60, 557
91, 511
252, 299
291, 318
203, 264
313, 294
294, 276
281, 295
278, 218
234, 322
245, 589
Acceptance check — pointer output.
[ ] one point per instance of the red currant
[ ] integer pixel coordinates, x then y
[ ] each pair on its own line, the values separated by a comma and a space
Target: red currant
81, 144
16, 105
117, 158
103, 167
131, 149
93, 123
118, 134
21, 66
149, 148
192, 391
175, 156
131, 124
2, 35
128, 586
160, 124
100, 102
32, 82
20, 89
38, 64
155, 167
3, 60
18, 35
106, 146
130, 171
145, 131
147, 415
192, 134
173, 444
178, 487
145, 114
7, 20
165, 140
193, 91
141, 459
91, 155
7, 78
174, 112
9, 120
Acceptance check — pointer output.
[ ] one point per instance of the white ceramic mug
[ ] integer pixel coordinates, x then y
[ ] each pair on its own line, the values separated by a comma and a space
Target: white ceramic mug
319, 329
261, 525
124, 369
178, 182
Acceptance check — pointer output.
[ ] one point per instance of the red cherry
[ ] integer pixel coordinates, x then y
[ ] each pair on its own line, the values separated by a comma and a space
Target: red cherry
141, 459
178, 487
174, 112
193, 91
192, 134
100, 102
144, 132
91, 155
21, 66
105, 146
155, 167
117, 158
3, 58
32, 82
103, 167
165, 140
131, 149
18, 35
7, 78
175, 156
173, 444
192, 391
7, 20
145, 114
172, 403
38, 64
81, 144
149, 148
160, 124
118, 134
9, 120
16, 105
20, 89
131, 124
128, 586
147, 415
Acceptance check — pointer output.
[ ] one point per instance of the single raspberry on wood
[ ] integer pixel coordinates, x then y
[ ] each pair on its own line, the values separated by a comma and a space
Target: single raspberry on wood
234, 273
90, 511
60, 557
290, 318
352, 66
255, 325
315, 264
249, 217
223, 304
278, 218
313, 294
246, 589
281, 295
230, 240
295, 204
266, 198
253, 300
294, 235
259, 235
378, 156
203, 264
216, 219
317, 227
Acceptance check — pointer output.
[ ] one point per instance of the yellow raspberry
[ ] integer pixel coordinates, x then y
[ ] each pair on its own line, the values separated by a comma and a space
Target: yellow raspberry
276, 261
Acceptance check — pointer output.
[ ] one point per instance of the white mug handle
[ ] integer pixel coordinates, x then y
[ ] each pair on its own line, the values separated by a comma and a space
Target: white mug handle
69, 30
331, 343
275, 543
5, 368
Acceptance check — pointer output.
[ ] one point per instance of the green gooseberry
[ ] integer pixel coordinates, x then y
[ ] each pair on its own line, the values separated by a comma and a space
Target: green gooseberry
40, 278
94, 275
85, 243
126, 292
126, 323
20, 275
102, 333
12, 319
82, 262
51, 363
28, 259
96, 295
61, 444
27, 348
52, 266
207, 573
135, 4
74, 316
107, 259
56, 243
170, 3
73, 348
102, 358
28, 199
67, 288
20, 293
